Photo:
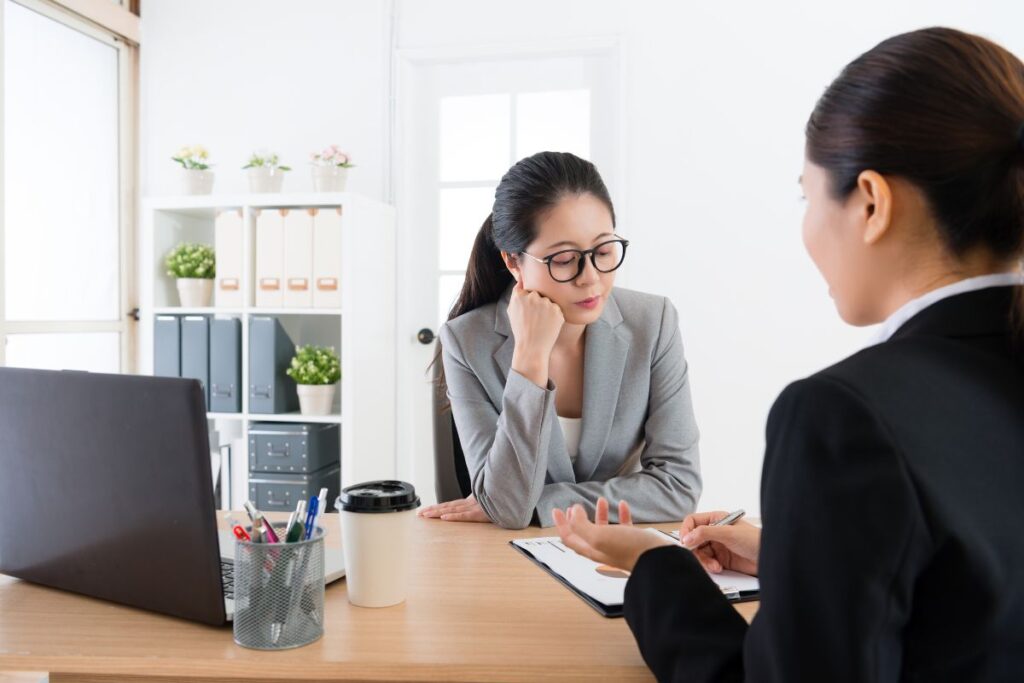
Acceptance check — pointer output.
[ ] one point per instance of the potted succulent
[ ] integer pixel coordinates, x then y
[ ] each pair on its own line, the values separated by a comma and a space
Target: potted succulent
194, 266
196, 176
316, 370
330, 169
265, 173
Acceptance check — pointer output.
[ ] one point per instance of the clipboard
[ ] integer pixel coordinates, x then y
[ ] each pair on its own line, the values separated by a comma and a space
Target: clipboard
615, 609
610, 611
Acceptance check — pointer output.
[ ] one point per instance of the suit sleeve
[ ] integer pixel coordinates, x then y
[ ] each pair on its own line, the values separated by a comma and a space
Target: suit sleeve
844, 538
668, 484
506, 453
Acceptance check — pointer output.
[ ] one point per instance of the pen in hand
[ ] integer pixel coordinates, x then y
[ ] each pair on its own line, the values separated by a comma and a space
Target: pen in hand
730, 518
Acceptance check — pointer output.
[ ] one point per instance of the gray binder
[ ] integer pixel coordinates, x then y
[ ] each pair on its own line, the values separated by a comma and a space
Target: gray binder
195, 350
167, 346
226, 365
270, 353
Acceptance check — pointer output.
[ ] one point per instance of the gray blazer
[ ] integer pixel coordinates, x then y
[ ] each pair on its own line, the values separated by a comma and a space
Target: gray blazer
636, 398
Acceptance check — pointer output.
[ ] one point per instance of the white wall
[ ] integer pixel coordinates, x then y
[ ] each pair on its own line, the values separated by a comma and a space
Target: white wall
717, 96
238, 75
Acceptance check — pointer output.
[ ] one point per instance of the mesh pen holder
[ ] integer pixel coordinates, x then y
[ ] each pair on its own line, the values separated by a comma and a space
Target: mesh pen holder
279, 592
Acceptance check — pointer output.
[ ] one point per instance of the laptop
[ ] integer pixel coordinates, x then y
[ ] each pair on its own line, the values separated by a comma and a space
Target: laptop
106, 490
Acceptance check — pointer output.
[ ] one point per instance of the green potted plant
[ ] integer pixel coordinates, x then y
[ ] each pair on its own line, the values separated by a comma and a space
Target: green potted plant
265, 172
194, 267
316, 370
330, 169
196, 176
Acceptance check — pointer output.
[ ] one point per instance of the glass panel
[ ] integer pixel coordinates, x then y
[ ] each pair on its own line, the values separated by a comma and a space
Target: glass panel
475, 133
463, 211
93, 351
448, 289
557, 121
61, 171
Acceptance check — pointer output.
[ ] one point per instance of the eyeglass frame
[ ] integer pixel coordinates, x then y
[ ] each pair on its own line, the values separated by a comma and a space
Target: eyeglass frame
583, 253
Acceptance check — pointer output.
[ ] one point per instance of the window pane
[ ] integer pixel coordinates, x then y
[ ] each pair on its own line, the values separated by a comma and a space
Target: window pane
61, 171
448, 289
94, 352
463, 211
475, 133
557, 121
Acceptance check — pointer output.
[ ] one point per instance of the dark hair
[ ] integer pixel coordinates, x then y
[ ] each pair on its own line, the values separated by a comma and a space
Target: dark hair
527, 191
944, 110
532, 187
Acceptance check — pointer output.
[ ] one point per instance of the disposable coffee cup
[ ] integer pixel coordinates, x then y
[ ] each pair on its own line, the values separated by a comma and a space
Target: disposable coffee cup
376, 537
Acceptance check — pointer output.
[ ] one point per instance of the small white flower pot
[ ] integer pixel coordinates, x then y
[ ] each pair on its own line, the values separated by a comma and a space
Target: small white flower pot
265, 179
316, 399
329, 178
196, 181
195, 292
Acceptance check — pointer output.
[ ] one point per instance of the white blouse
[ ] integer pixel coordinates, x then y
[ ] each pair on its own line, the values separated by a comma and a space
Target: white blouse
572, 427
971, 284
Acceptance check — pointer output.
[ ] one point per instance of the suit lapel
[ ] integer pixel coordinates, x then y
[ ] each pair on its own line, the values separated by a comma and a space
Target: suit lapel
604, 361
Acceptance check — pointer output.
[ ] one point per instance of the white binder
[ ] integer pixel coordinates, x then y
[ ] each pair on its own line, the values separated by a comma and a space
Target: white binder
298, 258
270, 258
327, 258
228, 247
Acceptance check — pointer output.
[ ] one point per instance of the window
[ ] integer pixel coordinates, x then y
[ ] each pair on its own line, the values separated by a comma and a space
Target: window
480, 137
65, 228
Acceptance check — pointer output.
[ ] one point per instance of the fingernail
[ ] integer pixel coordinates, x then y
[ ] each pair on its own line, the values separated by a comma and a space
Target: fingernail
688, 539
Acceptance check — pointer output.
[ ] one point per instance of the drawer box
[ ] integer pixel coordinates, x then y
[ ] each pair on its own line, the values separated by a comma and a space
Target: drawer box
281, 492
293, 448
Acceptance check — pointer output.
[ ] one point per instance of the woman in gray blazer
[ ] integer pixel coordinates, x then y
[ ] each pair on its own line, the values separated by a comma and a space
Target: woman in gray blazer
563, 389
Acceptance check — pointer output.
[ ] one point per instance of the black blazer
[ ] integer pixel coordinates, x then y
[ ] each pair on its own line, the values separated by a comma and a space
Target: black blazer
893, 506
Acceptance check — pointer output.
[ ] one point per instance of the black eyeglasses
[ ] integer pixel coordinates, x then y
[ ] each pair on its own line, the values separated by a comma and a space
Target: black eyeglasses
567, 265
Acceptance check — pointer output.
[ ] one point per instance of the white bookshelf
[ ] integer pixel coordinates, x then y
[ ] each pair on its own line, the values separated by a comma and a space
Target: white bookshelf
362, 329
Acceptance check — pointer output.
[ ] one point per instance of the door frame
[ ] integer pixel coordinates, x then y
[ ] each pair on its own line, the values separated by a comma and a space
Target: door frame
414, 429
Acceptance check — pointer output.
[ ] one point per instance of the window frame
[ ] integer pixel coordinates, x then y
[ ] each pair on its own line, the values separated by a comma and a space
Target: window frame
107, 23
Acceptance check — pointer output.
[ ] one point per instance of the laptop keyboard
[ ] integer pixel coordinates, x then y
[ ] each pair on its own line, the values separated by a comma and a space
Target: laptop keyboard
227, 575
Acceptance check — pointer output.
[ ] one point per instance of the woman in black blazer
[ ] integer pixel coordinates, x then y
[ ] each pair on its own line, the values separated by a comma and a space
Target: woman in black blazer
893, 483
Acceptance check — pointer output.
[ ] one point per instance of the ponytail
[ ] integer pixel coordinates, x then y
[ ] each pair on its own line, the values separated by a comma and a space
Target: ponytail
487, 278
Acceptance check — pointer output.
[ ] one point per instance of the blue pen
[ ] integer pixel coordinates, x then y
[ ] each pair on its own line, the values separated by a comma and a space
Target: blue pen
311, 516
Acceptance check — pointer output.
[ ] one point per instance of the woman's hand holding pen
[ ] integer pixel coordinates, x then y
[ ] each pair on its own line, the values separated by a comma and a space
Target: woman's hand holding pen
536, 322
733, 546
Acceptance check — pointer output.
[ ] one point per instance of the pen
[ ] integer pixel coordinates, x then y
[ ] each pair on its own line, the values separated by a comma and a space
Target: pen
321, 508
295, 527
240, 533
310, 516
730, 518
268, 529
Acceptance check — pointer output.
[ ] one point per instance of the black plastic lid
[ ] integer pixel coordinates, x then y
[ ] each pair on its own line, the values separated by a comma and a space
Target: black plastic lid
378, 496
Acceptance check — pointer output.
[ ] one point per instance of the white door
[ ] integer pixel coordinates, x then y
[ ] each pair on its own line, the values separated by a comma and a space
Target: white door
462, 120
66, 103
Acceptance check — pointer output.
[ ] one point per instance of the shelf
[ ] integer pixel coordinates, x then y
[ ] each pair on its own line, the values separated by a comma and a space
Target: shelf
276, 417
212, 310
295, 417
178, 310
294, 311
210, 202
225, 416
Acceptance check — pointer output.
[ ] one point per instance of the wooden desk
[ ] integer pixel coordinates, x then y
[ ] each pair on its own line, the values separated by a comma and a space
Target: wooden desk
477, 610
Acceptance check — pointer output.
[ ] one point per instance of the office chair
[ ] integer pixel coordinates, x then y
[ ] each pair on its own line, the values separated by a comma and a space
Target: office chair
451, 476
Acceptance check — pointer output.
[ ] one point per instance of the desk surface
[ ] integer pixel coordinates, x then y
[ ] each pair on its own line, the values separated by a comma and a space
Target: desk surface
477, 610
